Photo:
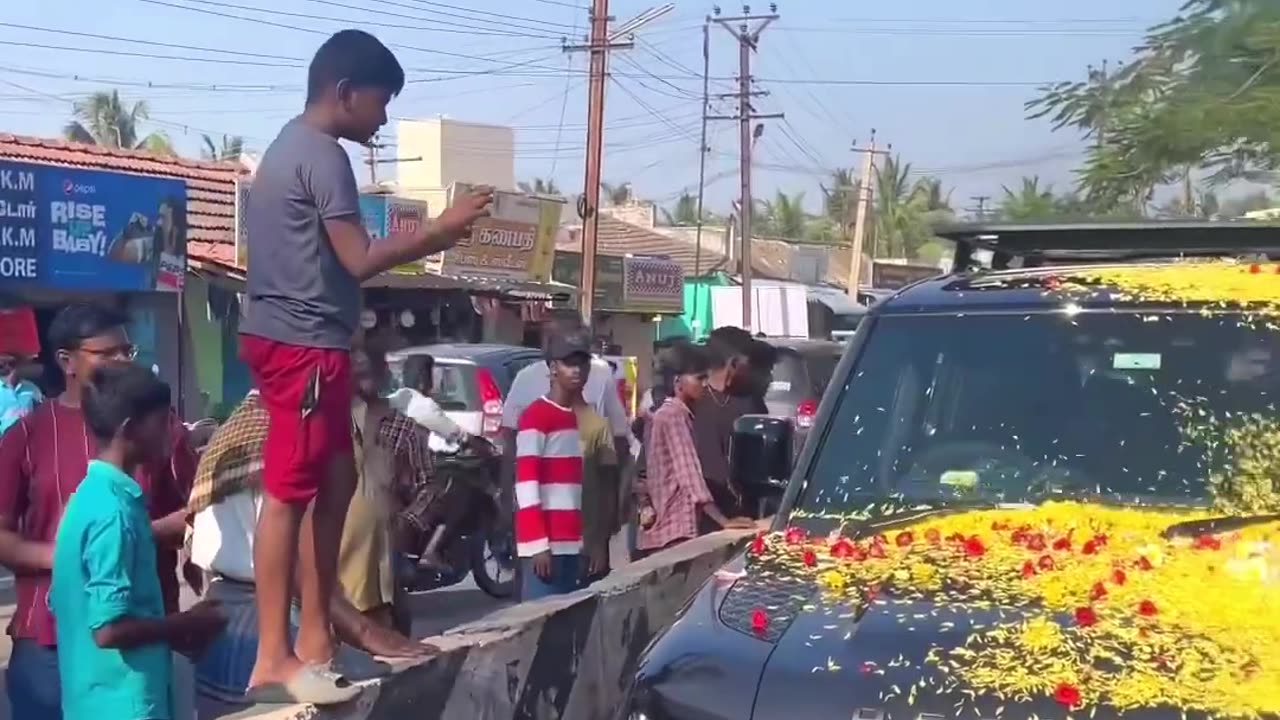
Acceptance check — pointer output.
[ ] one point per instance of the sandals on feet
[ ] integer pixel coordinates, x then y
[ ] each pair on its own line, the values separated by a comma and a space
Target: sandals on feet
315, 685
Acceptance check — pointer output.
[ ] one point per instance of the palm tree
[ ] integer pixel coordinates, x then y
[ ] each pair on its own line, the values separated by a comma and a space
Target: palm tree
540, 186
685, 211
102, 119
620, 194
1030, 203
787, 215
232, 148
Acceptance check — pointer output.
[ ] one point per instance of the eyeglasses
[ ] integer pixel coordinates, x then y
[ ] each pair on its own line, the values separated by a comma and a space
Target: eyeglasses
119, 352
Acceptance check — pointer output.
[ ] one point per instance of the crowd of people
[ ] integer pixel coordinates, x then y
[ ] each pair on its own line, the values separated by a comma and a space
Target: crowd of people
287, 523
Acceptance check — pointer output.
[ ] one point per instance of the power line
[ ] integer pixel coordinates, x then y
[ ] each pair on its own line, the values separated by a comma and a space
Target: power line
445, 26
503, 16
562, 4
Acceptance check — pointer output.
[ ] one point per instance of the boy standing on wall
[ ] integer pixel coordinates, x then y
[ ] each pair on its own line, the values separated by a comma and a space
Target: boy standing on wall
308, 255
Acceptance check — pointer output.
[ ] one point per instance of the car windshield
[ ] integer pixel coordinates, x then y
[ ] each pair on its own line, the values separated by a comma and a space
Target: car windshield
1120, 406
451, 385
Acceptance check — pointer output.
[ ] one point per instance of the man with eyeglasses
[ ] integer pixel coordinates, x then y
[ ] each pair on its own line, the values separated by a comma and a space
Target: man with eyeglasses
43, 457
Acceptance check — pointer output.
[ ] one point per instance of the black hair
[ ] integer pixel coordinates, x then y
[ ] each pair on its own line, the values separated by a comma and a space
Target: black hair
76, 323
357, 57
688, 360
719, 352
117, 394
735, 337
418, 368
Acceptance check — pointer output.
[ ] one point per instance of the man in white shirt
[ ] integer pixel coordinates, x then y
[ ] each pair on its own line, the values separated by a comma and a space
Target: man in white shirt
415, 401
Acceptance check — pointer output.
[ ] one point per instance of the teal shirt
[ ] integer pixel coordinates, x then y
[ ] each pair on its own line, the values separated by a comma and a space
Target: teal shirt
16, 401
104, 569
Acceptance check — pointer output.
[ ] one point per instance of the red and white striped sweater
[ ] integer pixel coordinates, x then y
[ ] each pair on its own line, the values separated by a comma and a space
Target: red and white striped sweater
548, 481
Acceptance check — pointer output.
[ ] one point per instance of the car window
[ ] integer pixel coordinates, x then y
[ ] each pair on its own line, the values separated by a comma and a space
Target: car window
1024, 407
790, 377
454, 384
820, 366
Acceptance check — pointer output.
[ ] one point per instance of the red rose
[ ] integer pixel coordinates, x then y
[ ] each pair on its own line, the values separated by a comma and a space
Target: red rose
758, 545
795, 536
810, 558
1035, 542
973, 547
1086, 617
1146, 608
1119, 577
1045, 562
759, 621
1019, 536
1254, 269
1067, 694
1090, 547
868, 667
904, 539
1062, 544
1028, 570
843, 549
1207, 542
1143, 563
1098, 591
933, 536
1052, 282
1101, 539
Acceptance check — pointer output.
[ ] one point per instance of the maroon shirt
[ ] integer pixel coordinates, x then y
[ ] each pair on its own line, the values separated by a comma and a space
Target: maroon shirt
43, 458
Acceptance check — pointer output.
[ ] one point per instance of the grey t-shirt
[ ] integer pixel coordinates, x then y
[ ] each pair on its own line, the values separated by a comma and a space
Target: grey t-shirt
299, 292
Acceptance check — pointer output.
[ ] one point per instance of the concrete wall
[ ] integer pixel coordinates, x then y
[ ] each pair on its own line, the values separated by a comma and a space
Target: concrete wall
570, 657
437, 152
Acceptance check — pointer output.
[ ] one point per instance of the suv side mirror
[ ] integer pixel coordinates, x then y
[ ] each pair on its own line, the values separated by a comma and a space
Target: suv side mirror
760, 459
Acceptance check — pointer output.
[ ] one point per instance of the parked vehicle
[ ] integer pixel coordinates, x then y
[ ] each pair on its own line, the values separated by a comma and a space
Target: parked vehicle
1028, 492
800, 375
471, 381
481, 544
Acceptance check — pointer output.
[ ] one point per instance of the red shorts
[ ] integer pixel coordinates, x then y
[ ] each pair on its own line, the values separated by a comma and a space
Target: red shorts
307, 394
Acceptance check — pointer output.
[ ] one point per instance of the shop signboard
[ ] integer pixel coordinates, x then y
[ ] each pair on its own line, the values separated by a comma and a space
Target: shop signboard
609, 274
891, 276
516, 242
385, 215
653, 285
91, 230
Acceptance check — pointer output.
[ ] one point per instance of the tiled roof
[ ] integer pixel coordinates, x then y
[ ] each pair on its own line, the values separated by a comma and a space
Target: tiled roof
211, 193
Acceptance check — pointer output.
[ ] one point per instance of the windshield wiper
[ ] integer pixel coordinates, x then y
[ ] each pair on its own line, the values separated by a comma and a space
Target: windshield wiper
1210, 526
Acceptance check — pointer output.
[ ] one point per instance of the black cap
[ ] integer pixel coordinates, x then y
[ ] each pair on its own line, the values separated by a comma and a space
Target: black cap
565, 345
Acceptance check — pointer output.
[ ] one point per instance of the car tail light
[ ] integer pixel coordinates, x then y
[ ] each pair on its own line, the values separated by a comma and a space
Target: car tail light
490, 403
805, 413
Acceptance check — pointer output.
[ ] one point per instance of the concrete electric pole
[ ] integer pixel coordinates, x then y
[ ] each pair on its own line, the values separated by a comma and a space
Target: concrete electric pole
599, 44
864, 207
746, 29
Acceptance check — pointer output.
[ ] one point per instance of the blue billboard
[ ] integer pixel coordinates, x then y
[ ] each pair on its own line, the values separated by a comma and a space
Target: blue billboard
90, 230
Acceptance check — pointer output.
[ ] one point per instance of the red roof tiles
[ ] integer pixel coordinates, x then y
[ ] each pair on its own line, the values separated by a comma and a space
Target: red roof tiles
211, 192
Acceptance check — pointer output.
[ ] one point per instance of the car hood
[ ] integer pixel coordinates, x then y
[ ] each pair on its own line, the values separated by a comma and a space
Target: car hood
1066, 608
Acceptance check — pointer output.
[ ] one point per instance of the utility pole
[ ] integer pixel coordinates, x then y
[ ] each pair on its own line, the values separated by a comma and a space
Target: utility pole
747, 32
702, 149
864, 205
599, 44
982, 206
371, 148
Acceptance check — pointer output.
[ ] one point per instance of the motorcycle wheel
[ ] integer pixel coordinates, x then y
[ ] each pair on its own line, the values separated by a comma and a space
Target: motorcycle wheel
493, 562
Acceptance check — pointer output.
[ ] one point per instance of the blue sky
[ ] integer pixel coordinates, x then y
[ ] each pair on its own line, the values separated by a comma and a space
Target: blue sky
944, 82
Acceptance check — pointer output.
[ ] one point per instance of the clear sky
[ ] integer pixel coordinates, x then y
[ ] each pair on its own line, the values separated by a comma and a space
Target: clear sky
943, 81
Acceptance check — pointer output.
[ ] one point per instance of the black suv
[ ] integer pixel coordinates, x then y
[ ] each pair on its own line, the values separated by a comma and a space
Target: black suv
1037, 491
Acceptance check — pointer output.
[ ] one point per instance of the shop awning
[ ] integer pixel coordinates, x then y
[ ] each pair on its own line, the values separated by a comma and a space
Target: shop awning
839, 302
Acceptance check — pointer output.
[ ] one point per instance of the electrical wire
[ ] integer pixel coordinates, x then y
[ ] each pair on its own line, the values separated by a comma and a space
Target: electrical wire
650, 109
489, 26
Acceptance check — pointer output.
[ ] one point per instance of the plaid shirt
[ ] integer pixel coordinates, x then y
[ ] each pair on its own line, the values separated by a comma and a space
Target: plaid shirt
673, 479
407, 442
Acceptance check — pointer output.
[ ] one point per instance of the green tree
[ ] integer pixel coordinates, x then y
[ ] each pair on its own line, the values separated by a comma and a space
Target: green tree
1201, 93
787, 215
230, 148
103, 119
1030, 203
685, 211
539, 186
905, 211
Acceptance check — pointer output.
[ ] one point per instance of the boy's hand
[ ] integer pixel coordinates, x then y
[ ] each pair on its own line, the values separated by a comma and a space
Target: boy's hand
198, 627
542, 564
456, 221
597, 561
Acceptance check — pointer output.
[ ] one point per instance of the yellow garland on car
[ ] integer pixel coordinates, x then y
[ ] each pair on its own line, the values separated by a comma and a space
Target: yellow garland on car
1215, 286
1100, 609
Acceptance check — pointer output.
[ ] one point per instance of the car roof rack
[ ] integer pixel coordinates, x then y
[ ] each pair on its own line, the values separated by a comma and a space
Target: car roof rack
1025, 246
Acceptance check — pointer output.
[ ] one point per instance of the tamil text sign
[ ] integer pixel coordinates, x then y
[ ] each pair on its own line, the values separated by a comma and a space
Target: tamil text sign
90, 230
517, 241
385, 215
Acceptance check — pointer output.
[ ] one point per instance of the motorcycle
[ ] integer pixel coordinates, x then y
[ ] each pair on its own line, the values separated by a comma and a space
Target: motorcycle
480, 542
